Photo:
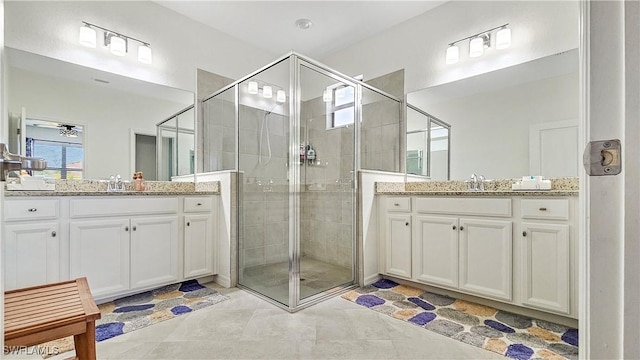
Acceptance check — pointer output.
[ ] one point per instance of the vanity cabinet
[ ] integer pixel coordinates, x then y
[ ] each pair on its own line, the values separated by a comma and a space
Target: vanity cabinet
117, 253
33, 242
100, 250
199, 242
509, 249
546, 254
123, 244
471, 253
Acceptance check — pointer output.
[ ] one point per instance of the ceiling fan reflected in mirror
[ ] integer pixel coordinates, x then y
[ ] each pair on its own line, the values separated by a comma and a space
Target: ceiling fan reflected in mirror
68, 130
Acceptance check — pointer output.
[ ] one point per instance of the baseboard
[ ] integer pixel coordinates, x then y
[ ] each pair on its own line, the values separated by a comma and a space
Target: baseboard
222, 280
371, 279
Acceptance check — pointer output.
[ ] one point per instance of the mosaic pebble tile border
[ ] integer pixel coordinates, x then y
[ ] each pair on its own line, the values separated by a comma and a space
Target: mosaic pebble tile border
512, 335
137, 311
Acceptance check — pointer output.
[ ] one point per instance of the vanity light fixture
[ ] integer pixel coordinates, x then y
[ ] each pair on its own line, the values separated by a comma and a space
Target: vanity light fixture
479, 42
253, 87
327, 95
267, 92
281, 96
503, 38
117, 43
87, 36
453, 54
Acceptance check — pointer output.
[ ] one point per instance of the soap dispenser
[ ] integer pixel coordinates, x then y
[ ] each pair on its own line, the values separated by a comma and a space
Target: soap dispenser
311, 154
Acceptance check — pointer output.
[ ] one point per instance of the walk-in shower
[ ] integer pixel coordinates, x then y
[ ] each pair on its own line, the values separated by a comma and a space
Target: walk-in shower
297, 132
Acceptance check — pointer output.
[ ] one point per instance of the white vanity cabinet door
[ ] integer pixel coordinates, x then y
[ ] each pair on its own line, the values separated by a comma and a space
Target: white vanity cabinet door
99, 250
198, 246
398, 245
154, 251
435, 250
31, 254
486, 257
546, 266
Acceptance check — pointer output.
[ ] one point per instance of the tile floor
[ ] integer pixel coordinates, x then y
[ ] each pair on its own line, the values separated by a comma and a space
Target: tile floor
246, 327
272, 280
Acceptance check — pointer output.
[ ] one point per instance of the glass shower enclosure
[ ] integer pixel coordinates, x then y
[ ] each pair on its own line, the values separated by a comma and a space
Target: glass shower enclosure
292, 132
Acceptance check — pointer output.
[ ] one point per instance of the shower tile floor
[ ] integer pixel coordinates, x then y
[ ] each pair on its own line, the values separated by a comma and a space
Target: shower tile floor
316, 276
246, 327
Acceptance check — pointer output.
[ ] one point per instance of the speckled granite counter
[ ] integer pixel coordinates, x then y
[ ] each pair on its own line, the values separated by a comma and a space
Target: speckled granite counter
99, 188
559, 187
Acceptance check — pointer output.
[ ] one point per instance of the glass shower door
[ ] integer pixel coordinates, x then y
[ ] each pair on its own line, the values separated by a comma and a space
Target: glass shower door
326, 196
263, 183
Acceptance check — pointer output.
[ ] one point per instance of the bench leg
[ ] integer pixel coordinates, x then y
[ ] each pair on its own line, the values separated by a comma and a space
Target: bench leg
85, 344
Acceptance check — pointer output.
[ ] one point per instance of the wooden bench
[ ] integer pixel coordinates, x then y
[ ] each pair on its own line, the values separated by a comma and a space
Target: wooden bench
43, 313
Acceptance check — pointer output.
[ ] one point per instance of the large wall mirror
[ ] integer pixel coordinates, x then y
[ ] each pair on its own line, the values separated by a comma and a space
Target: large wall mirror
91, 124
516, 121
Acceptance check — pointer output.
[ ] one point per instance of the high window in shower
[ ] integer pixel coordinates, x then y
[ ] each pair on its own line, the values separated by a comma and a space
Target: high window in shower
296, 126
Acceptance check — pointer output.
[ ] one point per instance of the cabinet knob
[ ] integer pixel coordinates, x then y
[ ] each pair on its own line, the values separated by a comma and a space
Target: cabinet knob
396, 204
134, 228
126, 228
461, 227
53, 234
406, 224
199, 204
543, 209
32, 210
454, 227
524, 233
188, 223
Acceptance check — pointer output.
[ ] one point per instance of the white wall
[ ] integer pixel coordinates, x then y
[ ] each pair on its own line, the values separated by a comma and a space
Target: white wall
107, 116
180, 45
539, 29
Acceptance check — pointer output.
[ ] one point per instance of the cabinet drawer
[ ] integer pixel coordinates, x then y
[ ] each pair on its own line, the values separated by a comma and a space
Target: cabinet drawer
198, 204
402, 204
500, 207
549, 209
31, 209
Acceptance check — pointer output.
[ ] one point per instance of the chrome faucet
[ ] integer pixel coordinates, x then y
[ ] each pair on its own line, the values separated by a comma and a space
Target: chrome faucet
475, 183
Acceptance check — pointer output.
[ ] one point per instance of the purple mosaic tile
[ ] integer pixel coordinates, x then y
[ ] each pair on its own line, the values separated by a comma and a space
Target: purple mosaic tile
107, 331
571, 337
369, 300
190, 285
519, 351
180, 309
385, 284
131, 308
422, 318
499, 326
423, 304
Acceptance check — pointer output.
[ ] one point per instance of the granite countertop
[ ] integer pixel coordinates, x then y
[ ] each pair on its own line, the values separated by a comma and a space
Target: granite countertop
99, 188
559, 187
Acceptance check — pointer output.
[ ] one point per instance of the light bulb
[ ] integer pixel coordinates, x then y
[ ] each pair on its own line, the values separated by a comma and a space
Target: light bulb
118, 46
476, 47
281, 96
253, 87
326, 95
144, 54
503, 38
87, 36
453, 54
267, 92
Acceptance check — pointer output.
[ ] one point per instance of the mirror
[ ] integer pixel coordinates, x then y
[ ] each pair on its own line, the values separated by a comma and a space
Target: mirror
115, 117
516, 121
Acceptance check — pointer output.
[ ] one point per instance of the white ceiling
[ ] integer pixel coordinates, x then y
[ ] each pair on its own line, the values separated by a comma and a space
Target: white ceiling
270, 25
